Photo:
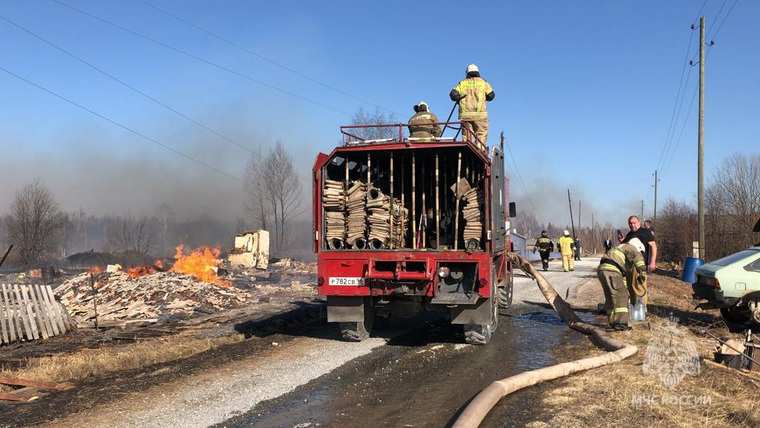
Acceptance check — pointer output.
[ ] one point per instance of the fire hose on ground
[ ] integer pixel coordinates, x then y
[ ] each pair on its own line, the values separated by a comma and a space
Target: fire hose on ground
479, 407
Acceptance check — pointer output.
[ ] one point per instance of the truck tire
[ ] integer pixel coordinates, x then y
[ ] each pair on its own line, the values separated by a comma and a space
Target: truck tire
358, 331
505, 293
480, 334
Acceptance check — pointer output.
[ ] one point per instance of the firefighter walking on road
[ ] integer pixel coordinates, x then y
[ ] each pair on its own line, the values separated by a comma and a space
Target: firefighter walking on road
544, 245
619, 262
472, 94
567, 249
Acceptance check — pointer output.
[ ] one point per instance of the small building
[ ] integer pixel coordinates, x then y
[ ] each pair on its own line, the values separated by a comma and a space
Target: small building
251, 250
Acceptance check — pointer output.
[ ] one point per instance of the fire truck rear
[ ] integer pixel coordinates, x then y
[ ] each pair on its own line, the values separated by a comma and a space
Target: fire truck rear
407, 224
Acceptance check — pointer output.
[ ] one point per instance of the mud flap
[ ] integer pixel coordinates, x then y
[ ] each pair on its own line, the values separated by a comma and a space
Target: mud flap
479, 314
345, 309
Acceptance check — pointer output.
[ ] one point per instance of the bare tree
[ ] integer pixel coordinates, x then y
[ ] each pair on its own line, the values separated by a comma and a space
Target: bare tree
676, 230
256, 203
362, 117
283, 192
35, 223
732, 203
130, 234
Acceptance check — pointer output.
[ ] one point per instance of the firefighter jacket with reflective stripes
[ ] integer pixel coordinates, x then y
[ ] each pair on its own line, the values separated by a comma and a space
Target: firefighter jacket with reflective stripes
544, 245
420, 125
566, 245
623, 259
472, 94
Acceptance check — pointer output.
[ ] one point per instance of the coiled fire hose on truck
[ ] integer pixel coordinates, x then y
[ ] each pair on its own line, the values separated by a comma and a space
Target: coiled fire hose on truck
479, 407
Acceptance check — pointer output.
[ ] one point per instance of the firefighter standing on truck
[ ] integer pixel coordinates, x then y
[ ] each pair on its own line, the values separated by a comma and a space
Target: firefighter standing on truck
472, 94
567, 249
423, 124
616, 264
544, 245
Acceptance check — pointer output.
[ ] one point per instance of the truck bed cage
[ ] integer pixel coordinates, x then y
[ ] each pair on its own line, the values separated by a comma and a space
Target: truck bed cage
366, 135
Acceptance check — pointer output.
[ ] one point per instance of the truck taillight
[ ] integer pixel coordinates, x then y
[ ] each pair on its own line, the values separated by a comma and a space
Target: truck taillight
321, 280
443, 271
483, 282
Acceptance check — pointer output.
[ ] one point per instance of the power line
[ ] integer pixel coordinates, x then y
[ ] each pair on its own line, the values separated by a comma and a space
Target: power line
116, 79
673, 119
519, 177
717, 15
686, 120
197, 58
725, 18
120, 125
262, 57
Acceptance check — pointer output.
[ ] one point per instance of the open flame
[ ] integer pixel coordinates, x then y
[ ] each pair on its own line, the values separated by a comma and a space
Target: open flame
138, 271
95, 270
202, 263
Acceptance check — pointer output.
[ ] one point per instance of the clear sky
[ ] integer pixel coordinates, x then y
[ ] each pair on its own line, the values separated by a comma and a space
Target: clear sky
585, 93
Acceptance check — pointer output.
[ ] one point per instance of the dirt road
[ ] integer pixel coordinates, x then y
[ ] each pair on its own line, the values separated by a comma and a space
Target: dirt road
417, 373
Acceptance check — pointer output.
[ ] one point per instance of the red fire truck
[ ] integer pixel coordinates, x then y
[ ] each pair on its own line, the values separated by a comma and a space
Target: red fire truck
406, 224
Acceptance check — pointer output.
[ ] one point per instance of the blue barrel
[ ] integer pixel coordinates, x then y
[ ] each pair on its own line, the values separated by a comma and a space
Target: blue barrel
689, 267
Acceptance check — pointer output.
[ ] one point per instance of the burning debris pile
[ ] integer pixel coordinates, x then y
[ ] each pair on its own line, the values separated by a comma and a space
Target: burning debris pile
147, 292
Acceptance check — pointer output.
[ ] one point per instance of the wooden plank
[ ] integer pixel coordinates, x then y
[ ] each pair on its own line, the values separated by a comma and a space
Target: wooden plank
27, 315
4, 314
40, 320
10, 396
14, 312
47, 309
41, 384
57, 309
27, 393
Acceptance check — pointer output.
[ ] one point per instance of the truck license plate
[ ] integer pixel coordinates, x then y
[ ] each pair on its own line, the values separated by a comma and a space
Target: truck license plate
346, 280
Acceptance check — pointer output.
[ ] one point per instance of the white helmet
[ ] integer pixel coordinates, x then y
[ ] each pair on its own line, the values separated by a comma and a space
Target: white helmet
636, 242
423, 104
472, 68
566, 232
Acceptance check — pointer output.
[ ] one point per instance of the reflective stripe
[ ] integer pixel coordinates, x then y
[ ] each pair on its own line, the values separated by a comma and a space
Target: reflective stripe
619, 253
609, 267
640, 264
620, 310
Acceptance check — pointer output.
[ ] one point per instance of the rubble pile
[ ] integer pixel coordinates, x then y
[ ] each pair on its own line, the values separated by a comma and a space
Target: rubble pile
334, 202
473, 215
119, 296
356, 203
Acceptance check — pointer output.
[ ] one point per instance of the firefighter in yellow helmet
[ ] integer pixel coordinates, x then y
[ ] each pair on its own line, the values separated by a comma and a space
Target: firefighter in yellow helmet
472, 94
423, 124
567, 249
615, 265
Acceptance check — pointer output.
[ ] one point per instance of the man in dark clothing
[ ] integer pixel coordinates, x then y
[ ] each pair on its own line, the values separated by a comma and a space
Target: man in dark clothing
646, 238
544, 245
577, 249
607, 244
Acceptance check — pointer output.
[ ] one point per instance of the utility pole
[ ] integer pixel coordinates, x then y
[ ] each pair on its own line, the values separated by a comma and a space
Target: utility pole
700, 140
654, 219
580, 229
593, 233
572, 225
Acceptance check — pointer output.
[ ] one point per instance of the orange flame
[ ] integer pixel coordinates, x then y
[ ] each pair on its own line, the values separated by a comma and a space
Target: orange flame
138, 271
201, 263
96, 269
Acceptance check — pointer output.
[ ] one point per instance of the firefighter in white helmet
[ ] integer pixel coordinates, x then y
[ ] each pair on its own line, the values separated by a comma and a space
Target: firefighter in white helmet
615, 265
566, 249
423, 124
472, 94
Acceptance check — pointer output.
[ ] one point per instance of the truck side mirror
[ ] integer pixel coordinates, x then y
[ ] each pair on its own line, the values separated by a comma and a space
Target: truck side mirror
512, 210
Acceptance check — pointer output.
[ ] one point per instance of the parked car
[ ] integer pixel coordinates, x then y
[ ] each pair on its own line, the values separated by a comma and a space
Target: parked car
731, 284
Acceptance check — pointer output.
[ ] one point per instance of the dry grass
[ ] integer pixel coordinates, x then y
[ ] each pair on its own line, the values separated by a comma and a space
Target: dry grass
605, 396
88, 363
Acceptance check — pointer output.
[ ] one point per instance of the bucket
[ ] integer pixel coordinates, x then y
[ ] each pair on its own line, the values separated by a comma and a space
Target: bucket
689, 267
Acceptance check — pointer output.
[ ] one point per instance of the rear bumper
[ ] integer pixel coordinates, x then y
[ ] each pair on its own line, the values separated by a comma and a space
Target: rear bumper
714, 296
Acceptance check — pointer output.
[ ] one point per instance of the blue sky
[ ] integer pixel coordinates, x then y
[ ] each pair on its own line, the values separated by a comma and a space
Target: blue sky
585, 93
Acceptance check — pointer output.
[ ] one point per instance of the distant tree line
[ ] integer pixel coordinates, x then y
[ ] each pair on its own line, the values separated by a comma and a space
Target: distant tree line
732, 207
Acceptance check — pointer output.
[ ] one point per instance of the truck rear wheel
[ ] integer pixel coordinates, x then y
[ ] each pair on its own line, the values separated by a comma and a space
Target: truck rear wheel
505, 293
480, 334
358, 331
735, 314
